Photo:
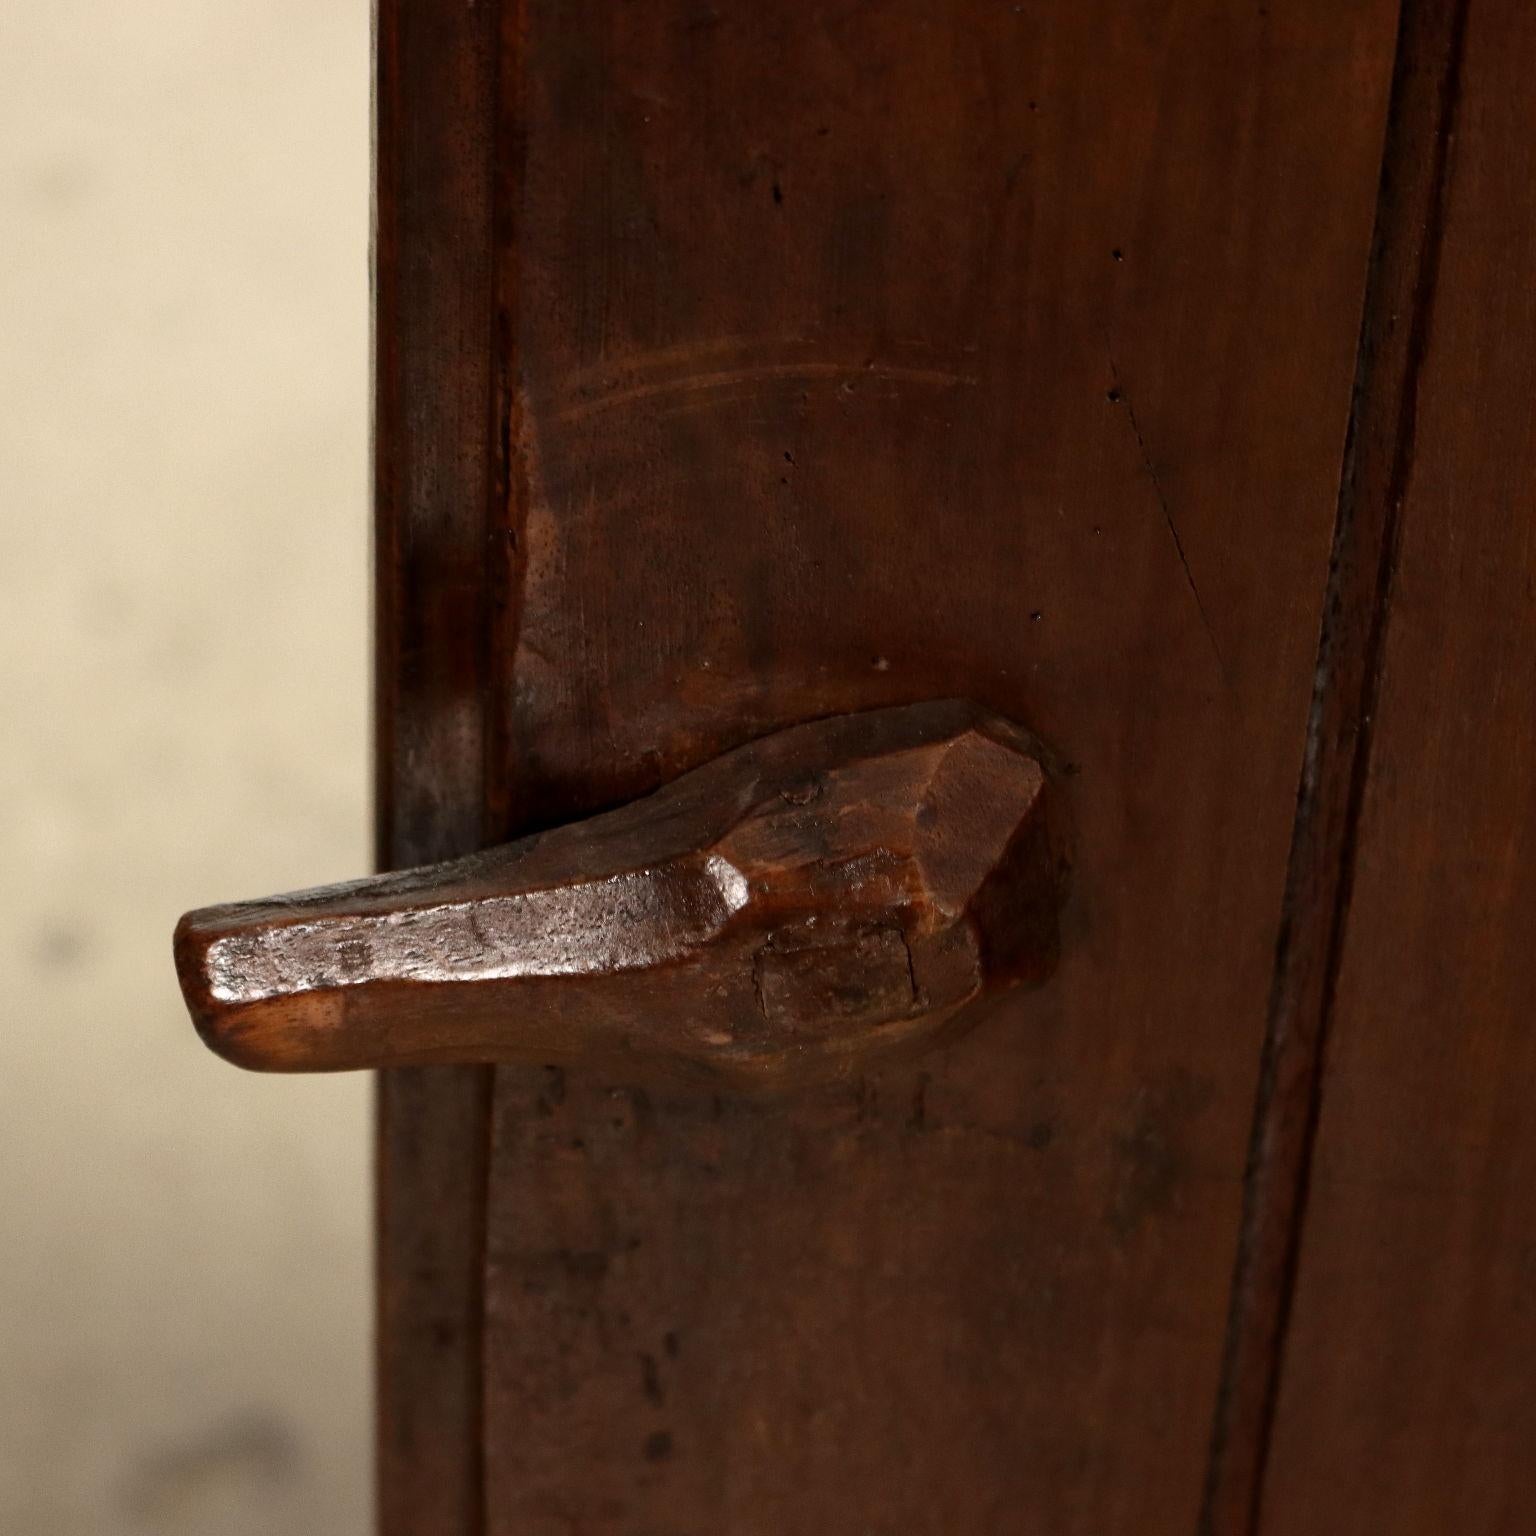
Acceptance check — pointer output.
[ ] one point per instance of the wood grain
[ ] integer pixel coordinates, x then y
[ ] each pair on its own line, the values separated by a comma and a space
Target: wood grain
1406, 1400
1379, 454
856, 355
435, 86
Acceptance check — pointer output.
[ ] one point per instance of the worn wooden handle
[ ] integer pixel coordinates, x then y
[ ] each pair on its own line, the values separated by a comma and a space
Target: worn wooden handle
782, 914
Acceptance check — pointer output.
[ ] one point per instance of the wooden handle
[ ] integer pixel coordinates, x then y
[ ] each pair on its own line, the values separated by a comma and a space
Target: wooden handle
782, 914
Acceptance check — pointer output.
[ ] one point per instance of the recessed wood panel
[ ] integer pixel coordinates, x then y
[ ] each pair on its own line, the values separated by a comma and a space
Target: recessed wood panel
859, 354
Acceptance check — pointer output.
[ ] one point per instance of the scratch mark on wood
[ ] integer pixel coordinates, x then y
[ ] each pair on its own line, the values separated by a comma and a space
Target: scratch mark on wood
1118, 396
939, 378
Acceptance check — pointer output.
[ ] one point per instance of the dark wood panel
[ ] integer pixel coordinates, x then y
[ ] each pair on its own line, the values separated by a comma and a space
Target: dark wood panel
1378, 459
1408, 1395
855, 355
436, 69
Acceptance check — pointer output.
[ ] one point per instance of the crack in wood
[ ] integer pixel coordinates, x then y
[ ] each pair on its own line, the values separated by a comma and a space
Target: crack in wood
1118, 396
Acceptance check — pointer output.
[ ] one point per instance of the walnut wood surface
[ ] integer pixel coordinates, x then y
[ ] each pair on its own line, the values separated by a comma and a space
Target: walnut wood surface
1407, 1395
744, 363
857, 354
1397, 320
438, 777
793, 911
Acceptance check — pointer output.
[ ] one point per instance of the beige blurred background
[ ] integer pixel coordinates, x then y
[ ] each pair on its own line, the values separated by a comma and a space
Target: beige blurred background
184, 1302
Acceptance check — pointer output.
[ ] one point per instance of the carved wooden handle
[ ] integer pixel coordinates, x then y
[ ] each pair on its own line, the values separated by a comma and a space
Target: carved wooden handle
782, 914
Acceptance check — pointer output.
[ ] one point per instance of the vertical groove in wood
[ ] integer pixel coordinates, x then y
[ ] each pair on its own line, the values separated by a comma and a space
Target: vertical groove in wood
435, 71
1396, 325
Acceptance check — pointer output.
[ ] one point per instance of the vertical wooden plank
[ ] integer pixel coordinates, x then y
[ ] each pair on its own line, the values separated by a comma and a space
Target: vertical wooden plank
1407, 1399
1400, 296
873, 353
436, 68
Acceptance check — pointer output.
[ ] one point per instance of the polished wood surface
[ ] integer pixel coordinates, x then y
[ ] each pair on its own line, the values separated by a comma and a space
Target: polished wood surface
798, 910
437, 774
1407, 1394
856, 355
1378, 463
1132, 374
